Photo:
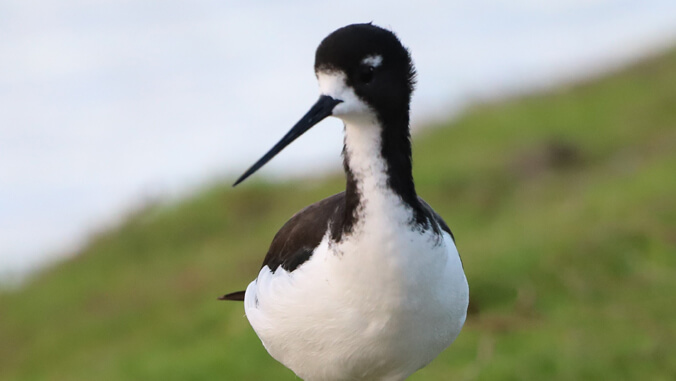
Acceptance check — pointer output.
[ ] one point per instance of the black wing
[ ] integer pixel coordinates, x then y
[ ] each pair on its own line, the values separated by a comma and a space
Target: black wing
239, 295
436, 218
295, 242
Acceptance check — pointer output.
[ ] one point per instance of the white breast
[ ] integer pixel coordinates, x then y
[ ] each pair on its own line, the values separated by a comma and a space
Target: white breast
379, 305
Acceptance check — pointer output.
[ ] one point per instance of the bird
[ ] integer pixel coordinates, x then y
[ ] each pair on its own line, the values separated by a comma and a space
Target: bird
366, 284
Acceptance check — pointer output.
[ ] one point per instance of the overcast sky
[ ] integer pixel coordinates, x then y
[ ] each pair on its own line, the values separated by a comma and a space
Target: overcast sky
104, 103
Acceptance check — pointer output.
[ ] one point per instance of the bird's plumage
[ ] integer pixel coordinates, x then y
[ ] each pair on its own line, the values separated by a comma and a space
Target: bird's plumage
366, 284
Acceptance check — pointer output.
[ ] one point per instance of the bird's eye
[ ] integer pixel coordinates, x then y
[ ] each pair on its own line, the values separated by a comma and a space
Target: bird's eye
366, 73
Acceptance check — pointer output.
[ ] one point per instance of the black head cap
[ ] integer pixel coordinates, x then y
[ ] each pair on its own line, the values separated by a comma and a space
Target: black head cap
387, 85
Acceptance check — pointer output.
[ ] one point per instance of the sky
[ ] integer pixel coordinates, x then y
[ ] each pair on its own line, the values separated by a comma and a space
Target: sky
107, 104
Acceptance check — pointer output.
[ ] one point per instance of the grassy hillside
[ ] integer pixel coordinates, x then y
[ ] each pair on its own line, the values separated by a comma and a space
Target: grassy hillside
564, 210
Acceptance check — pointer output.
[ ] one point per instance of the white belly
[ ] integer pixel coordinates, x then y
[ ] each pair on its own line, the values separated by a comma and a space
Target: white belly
374, 306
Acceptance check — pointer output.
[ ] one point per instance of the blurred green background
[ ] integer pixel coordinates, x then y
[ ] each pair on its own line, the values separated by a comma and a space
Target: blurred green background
563, 206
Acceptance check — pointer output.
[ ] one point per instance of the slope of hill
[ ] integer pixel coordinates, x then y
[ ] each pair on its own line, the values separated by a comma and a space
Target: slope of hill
564, 210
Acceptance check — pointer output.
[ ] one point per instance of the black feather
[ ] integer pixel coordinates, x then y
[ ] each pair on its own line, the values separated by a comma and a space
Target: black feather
239, 296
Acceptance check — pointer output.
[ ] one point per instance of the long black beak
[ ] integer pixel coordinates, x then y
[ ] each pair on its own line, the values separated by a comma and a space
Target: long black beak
320, 110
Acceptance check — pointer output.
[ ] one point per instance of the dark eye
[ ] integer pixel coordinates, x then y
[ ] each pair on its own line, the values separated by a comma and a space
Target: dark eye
365, 73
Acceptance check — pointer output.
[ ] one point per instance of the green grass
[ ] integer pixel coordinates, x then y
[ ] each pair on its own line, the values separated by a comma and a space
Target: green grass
563, 206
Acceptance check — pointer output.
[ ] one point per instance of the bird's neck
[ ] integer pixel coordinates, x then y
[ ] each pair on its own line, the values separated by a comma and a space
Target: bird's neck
377, 161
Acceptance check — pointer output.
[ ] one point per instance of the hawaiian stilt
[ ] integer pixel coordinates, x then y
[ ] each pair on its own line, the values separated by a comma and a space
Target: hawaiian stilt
366, 284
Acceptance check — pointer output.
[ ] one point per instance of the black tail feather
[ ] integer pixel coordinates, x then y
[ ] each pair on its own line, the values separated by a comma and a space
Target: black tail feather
239, 295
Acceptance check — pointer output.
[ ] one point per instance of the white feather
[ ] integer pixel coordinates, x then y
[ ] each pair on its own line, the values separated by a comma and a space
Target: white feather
375, 60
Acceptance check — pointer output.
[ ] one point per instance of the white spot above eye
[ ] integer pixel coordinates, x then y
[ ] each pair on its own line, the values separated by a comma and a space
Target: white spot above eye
375, 60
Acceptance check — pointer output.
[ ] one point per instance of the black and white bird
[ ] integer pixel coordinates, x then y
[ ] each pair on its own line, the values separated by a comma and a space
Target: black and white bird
366, 284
